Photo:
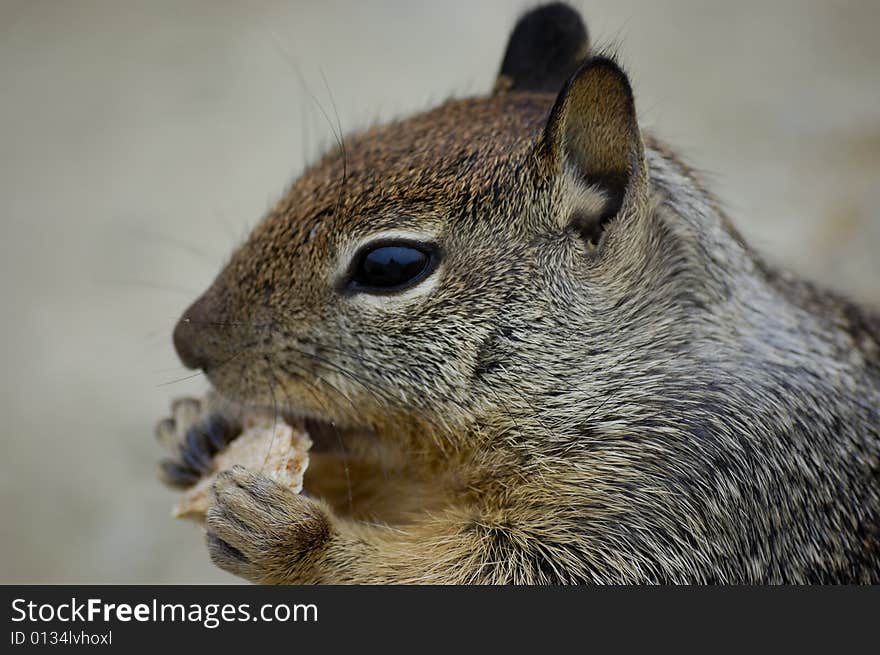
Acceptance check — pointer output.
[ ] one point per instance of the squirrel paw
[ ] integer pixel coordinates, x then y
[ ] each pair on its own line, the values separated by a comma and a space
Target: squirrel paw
260, 530
194, 433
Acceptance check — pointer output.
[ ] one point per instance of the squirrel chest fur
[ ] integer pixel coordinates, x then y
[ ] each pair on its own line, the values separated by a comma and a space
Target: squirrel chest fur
531, 348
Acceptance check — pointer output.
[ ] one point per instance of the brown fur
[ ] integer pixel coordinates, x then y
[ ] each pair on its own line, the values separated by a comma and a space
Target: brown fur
605, 383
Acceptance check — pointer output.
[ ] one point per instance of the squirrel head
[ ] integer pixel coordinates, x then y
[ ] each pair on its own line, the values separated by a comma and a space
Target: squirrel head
438, 270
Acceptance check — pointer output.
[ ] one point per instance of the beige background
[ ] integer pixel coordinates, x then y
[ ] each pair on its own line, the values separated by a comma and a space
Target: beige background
140, 140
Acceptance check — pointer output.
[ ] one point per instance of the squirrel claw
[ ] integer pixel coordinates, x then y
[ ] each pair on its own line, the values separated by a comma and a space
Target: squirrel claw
194, 434
258, 529
176, 475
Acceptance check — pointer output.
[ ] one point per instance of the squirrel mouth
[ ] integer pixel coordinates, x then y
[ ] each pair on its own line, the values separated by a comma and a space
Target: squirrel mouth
326, 436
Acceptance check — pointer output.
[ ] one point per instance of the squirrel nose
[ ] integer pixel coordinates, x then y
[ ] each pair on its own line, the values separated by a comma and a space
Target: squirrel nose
190, 336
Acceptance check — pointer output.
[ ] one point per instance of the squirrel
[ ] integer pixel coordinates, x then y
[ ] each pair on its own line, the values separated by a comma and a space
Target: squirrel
531, 348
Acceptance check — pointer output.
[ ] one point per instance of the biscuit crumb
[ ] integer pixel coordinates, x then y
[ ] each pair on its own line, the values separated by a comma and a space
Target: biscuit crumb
266, 445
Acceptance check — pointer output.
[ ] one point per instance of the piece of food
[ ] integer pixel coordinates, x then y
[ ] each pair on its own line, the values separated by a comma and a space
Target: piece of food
267, 446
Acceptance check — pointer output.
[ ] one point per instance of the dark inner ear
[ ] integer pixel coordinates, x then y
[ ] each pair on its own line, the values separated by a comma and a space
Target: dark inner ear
613, 184
545, 48
592, 134
589, 225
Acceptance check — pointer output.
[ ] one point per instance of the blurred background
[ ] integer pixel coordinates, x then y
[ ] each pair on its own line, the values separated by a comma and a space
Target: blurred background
140, 141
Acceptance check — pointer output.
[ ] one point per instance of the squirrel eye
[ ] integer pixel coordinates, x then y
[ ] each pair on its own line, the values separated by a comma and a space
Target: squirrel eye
391, 267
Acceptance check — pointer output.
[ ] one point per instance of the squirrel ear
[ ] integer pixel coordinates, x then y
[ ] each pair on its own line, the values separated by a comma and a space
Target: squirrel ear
545, 48
593, 135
